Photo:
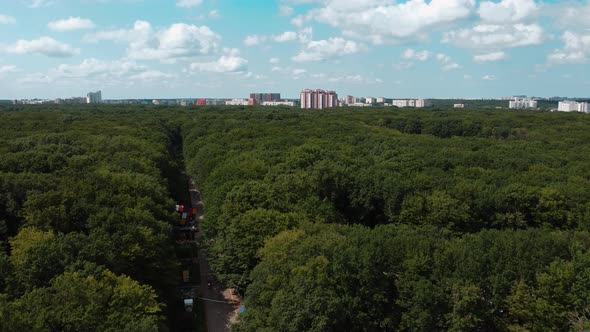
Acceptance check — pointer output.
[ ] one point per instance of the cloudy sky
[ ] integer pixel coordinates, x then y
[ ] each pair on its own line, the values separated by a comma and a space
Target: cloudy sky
228, 48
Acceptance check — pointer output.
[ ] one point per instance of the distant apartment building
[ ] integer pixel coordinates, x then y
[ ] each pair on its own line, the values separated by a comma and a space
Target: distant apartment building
318, 99
573, 106
238, 102
399, 103
73, 100
278, 103
94, 97
459, 106
380, 100
370, 100
522, 103
419, 103
349, 100
259, 98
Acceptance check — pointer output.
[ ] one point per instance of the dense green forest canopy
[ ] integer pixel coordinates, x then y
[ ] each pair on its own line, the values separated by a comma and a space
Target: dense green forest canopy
380, 219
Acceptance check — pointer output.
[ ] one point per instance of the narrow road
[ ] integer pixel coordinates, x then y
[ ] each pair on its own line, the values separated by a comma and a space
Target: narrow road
220, 304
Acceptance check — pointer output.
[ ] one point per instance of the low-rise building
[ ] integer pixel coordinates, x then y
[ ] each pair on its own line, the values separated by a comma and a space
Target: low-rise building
573, 106
237, 102
522, 103
459, 106
278, 103
399, 103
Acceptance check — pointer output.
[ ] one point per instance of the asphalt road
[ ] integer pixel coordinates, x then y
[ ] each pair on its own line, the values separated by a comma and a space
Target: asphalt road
220, 305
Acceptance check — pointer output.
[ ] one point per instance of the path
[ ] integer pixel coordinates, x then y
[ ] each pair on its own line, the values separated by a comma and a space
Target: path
220, 303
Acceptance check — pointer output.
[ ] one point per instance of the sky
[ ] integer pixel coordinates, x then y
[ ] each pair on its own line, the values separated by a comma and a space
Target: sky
230, 48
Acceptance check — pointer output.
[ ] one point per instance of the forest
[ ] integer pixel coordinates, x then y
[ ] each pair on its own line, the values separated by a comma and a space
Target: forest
333, 220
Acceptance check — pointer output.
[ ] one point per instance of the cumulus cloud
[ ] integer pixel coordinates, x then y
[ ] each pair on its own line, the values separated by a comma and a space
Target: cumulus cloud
4, 19
489, 57
496, 37
180, 40
412, 54
286, 36
188, 3
44, 46
285, 10
576, 49
447, 62
489, 77
214, 14
93, 70
38, 3
386, 20
230, 62
304, 35
254, 40
72, 23
274, 60
7, 69
317, 50
572, 15
507, 11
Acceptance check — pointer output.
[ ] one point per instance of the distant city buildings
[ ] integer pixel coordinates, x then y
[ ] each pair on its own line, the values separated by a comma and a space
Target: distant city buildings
73, 100
459, 106
94, 97
238, 102
278, 103
573, 106
318, 99
522, 103
418, 103
259, 98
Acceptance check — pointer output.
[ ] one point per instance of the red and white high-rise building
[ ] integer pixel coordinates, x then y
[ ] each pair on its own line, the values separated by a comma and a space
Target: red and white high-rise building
318, 99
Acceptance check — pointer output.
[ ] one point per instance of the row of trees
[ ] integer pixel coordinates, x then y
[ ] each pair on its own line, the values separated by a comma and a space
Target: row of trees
85, 215
266, 172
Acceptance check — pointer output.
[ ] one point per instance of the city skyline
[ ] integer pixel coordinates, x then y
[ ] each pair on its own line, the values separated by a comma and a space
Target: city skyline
409, 49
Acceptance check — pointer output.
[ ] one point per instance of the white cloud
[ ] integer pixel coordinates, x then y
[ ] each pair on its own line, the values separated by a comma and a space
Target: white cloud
299, 72
411, 54
489, 77
576, 49
45, 46
496, 37
286, 36
4, 19
188, 3
274, 60
214, 14
254, 40
72, 23
180, 40
7, 69
151, 75
225, 64
489, 57
447, 62
403, 65
39, 3
285, 10
386, 20
572, 15
93, 70
507, 11
318, 50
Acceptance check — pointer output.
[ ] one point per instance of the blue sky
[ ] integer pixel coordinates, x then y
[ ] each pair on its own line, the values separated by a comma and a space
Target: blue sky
223, 48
